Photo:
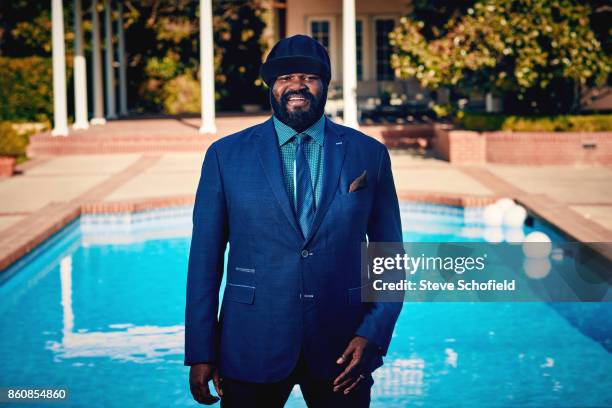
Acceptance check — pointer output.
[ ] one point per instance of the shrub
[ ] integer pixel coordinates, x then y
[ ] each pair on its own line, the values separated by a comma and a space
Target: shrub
471, 121
181, 95
12, 142
591, 123
158, 72
558, 123
26, 90
537, 124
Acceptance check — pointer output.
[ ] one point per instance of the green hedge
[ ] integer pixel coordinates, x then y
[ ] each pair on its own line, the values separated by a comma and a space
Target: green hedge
558, 123
181, 95
26, 90
12, 142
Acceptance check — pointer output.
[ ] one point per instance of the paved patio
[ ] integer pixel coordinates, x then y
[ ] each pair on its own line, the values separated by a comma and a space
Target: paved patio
51, 190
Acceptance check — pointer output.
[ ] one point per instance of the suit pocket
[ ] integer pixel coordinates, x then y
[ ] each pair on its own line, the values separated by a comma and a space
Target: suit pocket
359, 190
360, 197
239, 293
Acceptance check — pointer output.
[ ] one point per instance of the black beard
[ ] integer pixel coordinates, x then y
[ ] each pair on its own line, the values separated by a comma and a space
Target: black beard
299, 119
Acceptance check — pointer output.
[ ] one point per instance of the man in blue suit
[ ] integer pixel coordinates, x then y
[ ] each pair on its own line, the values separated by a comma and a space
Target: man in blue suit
294, 197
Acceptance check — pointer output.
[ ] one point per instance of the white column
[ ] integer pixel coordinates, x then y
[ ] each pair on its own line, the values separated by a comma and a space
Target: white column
96, 62
109, 61
349, 63
80, 71
123, 105
60, 110
207, 69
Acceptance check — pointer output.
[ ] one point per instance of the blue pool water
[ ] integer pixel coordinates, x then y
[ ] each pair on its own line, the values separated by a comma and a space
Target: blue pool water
99, 309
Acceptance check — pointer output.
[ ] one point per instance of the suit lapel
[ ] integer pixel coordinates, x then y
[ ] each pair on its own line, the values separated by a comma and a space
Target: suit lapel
266, 144
334, 149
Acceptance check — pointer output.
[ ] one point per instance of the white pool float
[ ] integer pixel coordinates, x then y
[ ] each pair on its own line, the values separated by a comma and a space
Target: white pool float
515, 216
514, 235
493, 215
493, 234
505, 203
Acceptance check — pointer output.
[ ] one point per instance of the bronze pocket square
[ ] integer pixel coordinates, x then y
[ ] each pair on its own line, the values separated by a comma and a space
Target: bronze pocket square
359, 183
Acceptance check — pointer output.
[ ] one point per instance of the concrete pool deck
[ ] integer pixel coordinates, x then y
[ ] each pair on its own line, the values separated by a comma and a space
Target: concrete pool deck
51, 191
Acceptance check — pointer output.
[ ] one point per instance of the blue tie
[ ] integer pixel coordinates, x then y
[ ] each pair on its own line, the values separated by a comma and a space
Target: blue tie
305, 199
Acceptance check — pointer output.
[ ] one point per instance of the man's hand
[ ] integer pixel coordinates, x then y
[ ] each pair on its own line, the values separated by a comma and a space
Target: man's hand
199, 375
360, 354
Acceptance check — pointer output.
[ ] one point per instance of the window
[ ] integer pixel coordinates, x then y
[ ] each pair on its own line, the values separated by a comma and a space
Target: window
359, 46
323, 29
320, 31
383, 49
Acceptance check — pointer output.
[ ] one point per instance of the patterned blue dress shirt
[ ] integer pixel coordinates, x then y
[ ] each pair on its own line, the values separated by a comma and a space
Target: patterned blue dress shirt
314, 154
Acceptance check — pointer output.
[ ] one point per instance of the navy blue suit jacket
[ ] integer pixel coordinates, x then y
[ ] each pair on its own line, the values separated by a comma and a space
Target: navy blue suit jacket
284, 292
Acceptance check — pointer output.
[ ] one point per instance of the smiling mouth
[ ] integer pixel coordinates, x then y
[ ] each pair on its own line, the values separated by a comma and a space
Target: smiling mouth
297, 101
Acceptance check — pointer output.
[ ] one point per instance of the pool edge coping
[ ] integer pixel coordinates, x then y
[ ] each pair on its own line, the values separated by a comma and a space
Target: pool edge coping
40, 225
47, 221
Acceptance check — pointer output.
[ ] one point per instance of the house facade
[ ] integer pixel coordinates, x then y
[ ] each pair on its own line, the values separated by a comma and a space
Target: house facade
374, 20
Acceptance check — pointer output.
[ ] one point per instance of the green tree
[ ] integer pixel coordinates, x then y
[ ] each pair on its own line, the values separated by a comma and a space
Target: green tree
537, 54
438, 14
238, 30
162, 47
163, 43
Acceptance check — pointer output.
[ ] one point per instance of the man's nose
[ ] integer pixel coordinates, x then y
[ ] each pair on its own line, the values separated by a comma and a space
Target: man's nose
297, 83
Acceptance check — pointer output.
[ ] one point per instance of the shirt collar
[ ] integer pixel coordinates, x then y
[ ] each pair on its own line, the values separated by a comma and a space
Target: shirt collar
285, 132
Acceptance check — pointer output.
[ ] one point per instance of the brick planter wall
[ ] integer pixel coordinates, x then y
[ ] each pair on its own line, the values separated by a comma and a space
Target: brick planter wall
526, 148
459, 146
545, 148
400, 136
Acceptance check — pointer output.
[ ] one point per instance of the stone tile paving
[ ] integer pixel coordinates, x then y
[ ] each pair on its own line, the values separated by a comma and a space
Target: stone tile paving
572, 185
174, 174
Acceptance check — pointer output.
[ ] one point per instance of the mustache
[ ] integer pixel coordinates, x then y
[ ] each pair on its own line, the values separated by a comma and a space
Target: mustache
303, 93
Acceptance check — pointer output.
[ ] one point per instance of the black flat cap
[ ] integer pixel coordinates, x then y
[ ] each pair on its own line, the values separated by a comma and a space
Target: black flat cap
298, 53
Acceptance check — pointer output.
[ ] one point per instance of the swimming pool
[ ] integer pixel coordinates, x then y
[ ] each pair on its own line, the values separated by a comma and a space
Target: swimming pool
99, 309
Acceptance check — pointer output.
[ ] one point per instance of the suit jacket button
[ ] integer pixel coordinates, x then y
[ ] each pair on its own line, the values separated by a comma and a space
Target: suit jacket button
304, 253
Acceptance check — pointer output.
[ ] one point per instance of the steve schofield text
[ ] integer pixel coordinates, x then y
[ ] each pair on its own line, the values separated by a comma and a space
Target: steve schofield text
457, 265
461, 284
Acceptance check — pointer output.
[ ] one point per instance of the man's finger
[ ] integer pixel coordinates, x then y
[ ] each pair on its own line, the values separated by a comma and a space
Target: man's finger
348, 370
355, 384
346, 354
341, 386
217, 383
